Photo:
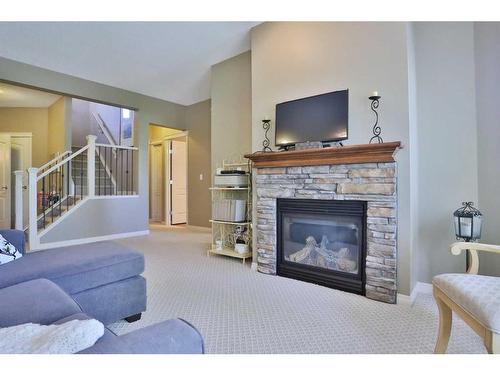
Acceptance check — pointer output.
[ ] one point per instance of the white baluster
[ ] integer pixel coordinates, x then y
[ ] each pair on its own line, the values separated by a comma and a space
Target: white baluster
18, 199
91, 165
32, 205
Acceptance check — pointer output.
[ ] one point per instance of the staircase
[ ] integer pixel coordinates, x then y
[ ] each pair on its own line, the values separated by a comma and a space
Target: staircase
69, 180
103, 181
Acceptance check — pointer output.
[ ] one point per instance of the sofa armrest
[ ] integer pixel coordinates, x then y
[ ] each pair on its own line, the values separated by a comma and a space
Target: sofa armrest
35, 301
175, 336
15, 237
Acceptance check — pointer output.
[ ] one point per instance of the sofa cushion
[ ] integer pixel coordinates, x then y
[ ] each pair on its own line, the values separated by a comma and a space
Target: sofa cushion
76, 268
478, 295
36, 301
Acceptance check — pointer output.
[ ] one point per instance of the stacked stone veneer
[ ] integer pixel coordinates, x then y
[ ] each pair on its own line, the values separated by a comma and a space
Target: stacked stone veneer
374, 183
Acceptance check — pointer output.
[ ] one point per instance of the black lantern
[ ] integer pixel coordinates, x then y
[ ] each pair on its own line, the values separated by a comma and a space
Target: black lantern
468, 221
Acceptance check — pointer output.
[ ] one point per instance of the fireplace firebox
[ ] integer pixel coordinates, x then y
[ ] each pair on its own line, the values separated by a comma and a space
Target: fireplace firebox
322, 242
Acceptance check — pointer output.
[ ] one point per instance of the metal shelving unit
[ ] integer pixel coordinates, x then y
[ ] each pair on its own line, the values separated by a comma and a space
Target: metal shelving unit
224, 230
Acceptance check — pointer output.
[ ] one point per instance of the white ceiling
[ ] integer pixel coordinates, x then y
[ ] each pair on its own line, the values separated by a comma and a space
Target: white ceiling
166, 60
15, 96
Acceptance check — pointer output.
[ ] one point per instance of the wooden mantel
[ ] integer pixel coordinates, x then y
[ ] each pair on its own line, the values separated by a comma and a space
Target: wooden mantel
369, 153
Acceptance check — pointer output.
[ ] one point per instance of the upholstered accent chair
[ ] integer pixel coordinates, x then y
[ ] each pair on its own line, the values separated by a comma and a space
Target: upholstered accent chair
474, 298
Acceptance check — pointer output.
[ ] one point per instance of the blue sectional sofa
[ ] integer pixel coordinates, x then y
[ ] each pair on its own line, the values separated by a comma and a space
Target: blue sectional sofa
101, 280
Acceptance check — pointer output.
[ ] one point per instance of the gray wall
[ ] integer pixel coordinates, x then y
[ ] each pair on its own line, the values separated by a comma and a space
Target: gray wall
199, 200
447, 143
231, 93
487, 54
98, 217
132, 214
296, 59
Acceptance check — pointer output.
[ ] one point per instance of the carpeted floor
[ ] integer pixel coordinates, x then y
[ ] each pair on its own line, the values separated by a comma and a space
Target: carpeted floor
238, 310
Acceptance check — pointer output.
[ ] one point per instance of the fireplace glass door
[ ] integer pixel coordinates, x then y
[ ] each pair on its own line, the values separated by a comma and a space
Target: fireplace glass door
322, 241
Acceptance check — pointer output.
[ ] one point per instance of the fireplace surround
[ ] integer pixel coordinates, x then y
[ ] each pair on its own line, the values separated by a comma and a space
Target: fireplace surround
323, 242
365, 173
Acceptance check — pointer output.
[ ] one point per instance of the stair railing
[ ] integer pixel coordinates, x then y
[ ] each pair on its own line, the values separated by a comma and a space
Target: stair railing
104, 128
53, 162
54, 191
119, 166
50, 190
111, 140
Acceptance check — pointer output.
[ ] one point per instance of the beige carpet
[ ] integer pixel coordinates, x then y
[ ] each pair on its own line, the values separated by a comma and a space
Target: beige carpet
238, 310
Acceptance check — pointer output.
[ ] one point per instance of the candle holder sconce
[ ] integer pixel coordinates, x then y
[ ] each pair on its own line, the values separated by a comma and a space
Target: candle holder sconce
266, 125
376, 128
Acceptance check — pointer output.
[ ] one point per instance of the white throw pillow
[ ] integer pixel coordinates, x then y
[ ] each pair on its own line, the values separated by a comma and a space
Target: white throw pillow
67, 338
7, 251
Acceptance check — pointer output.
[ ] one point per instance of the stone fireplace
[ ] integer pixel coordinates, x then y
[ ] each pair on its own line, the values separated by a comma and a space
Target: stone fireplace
360, 248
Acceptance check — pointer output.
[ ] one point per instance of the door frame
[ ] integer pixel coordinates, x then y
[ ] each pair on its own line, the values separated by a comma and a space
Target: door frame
150, 170
11, 184
167, 142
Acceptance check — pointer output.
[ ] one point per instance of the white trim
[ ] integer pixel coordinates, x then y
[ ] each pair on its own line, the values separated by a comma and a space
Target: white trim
419, 288
115, 196
50, 162
132, 148
62, 162
80, 241
404, 299
19, 134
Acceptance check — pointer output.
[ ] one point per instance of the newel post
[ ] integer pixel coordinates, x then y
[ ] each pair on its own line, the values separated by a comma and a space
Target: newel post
18, 199
91, 165
32, 208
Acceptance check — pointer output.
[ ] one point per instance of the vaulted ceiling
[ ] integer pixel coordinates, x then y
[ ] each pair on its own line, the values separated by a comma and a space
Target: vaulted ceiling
166, 60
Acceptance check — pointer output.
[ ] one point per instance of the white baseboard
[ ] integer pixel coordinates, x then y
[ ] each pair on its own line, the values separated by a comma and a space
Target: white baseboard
254, 266
80, 241
404, 299
420, 288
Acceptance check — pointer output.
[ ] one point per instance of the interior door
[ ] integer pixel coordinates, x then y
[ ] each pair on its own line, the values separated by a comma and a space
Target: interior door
156, 197
5, 219
20, 161
178, 183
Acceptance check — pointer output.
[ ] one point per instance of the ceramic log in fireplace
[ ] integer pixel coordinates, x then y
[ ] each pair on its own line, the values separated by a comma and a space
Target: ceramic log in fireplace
323, 242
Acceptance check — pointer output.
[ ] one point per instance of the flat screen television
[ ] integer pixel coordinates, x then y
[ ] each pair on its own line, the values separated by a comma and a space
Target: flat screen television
316, 118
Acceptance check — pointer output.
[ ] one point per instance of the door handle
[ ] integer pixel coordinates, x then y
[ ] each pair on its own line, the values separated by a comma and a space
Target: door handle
5, 187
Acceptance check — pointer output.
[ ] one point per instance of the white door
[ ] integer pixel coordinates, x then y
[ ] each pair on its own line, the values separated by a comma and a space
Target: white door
5, 219
178, 184
20, 161
156, 197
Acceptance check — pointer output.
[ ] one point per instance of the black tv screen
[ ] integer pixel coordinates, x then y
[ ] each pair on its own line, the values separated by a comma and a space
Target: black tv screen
316, 118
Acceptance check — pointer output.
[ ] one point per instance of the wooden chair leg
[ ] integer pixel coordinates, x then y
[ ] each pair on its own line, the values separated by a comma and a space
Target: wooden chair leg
445, 321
